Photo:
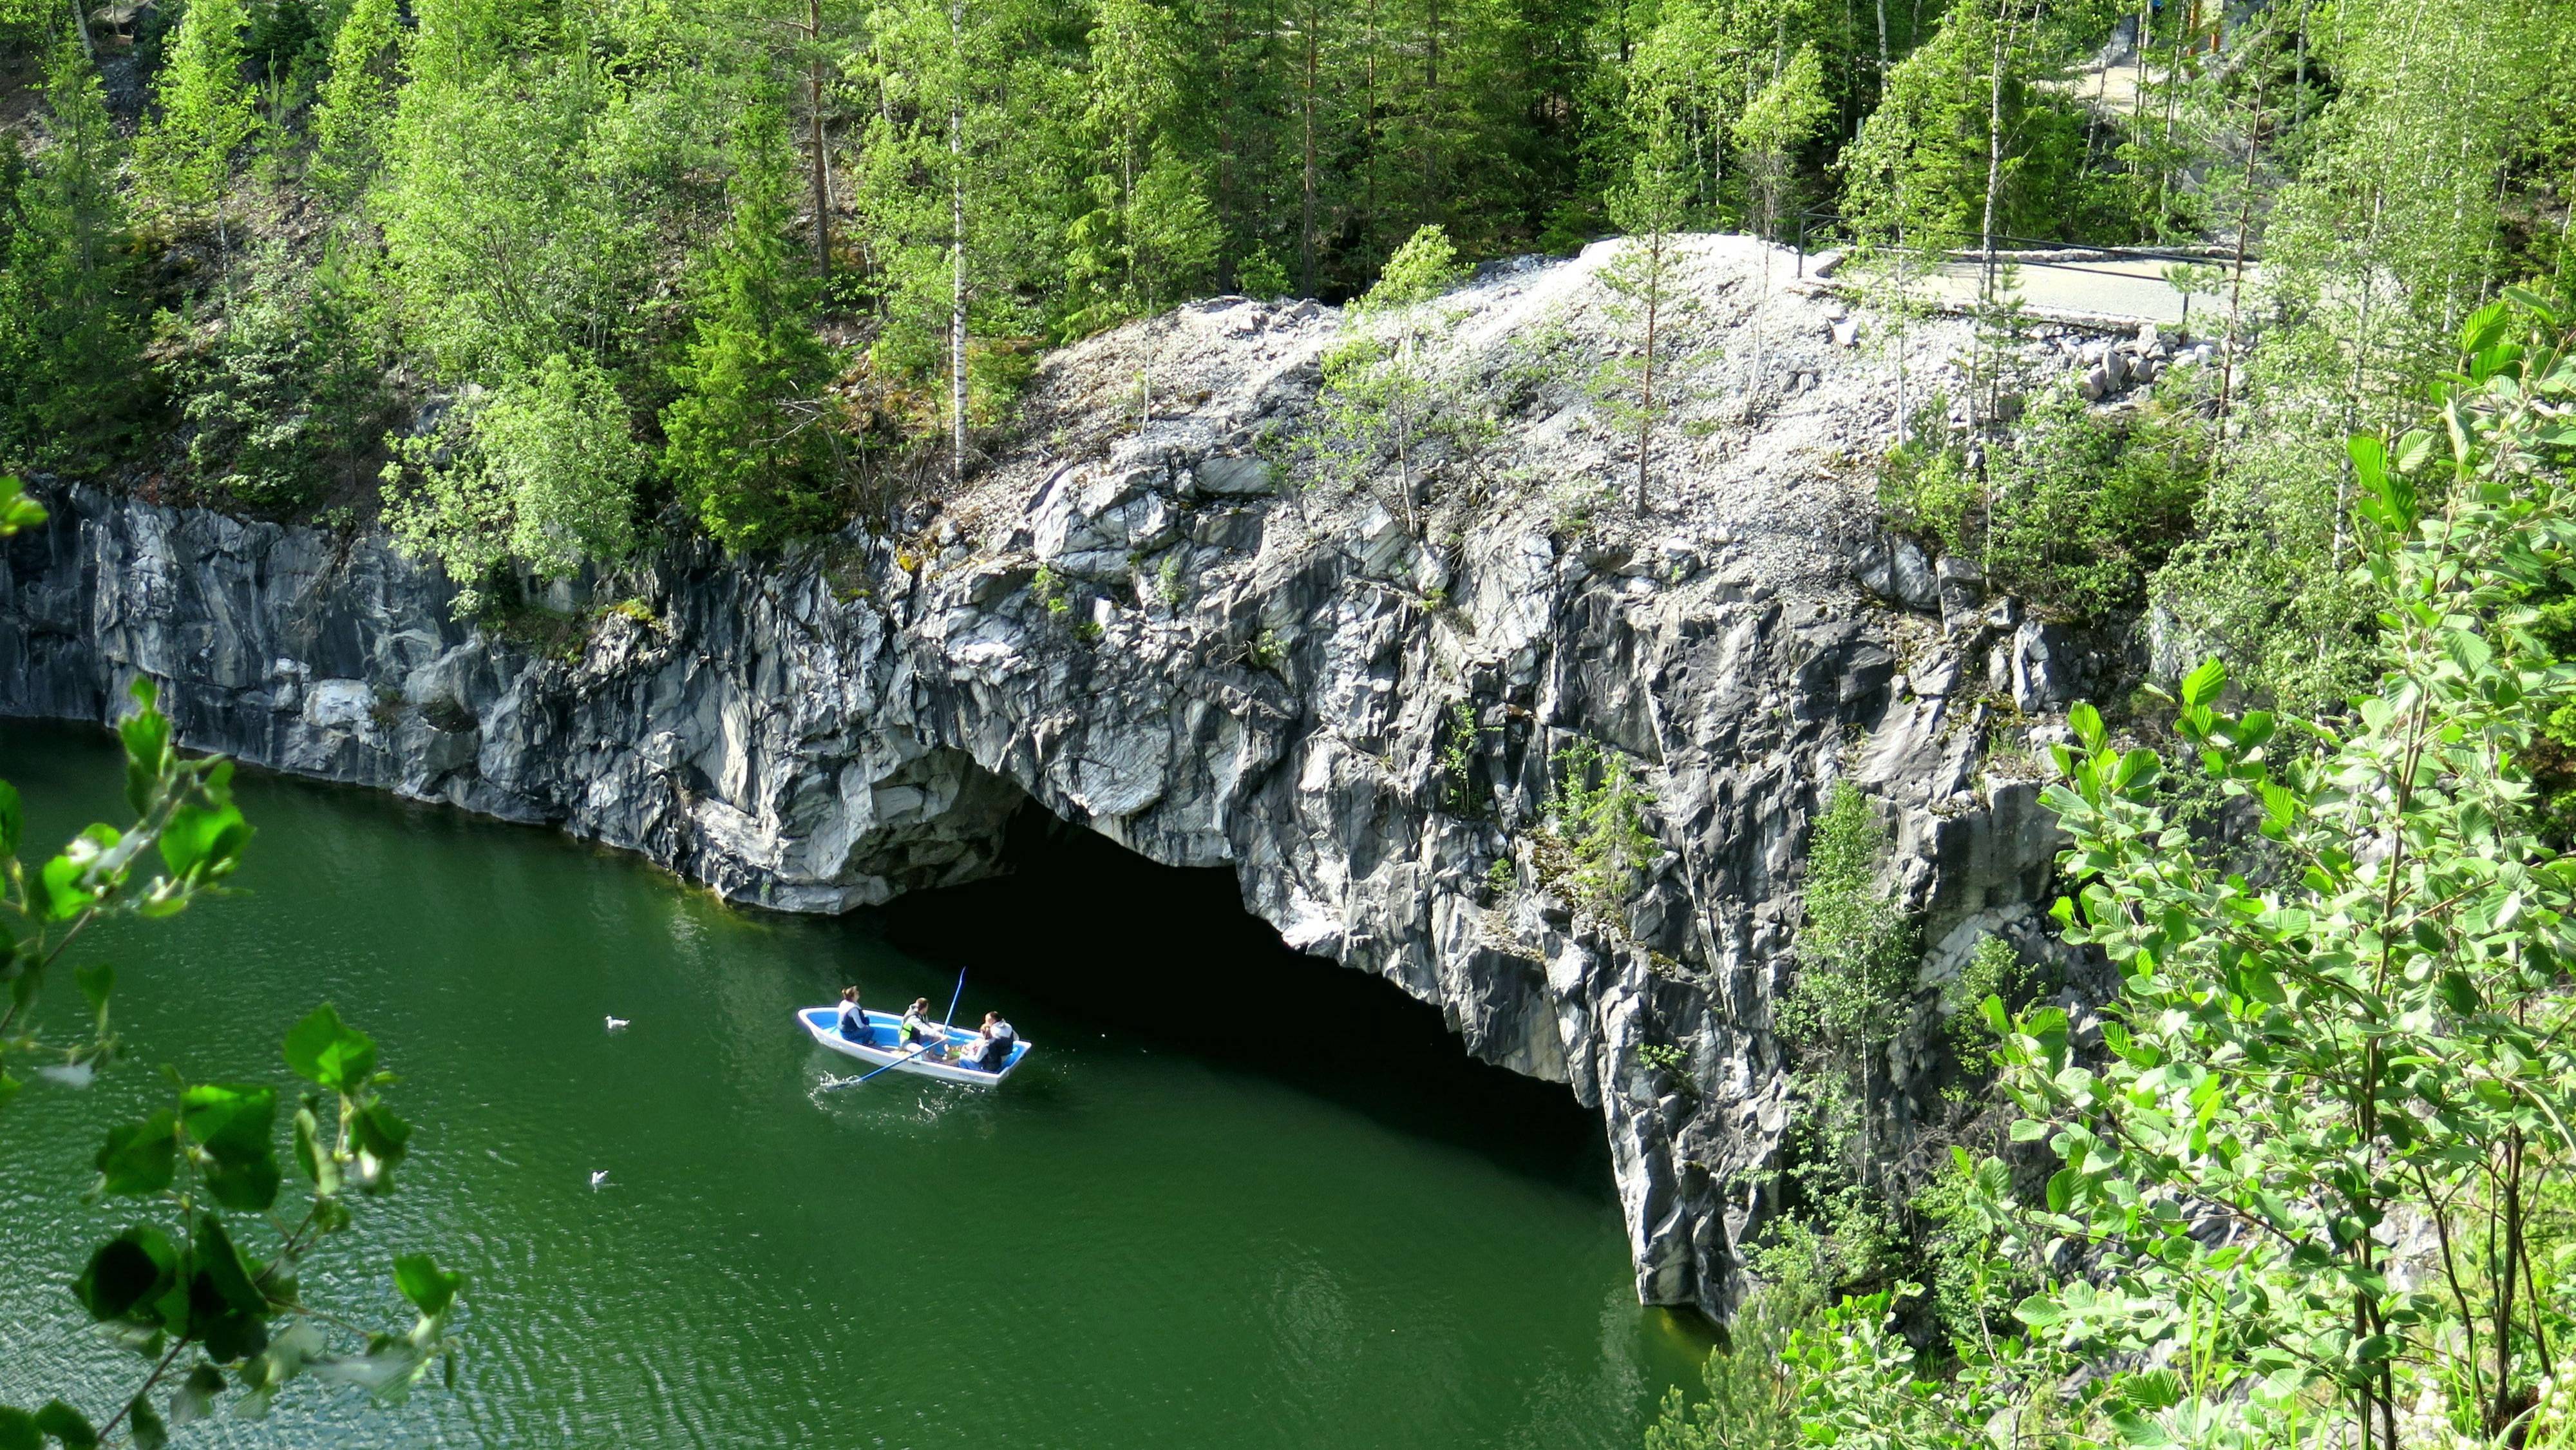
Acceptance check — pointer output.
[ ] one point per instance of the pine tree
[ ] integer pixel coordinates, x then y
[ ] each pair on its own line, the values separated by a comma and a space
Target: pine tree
1151, 236
184, 158
751, 444
70, 379
1643, 281
356, 109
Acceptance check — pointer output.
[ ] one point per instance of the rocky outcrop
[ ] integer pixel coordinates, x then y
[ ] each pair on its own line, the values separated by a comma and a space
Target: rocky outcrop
1153, 620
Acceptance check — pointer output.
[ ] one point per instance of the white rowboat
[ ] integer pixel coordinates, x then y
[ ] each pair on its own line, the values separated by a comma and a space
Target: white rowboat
879, 1050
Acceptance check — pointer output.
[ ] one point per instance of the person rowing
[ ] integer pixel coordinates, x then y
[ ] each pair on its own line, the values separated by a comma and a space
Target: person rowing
919, 1031
993, 1044
854, 1018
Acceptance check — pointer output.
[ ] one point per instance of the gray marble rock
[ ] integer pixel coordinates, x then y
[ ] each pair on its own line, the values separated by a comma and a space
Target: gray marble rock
858, 717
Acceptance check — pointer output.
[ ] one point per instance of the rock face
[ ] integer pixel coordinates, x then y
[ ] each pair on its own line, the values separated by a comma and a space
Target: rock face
1152, 619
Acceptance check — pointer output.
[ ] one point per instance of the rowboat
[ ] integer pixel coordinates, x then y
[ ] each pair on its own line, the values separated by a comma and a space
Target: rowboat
880, 1050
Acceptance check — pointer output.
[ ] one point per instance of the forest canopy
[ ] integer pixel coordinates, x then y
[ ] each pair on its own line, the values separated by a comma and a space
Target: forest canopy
547, 280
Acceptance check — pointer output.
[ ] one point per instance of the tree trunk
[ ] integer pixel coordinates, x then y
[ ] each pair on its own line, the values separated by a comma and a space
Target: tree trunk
1994, 188
1368, 129
822, 158
1225, 87
1432, 119
2236, 277
1646, 395
957, 242
1306, 196
2505, 1253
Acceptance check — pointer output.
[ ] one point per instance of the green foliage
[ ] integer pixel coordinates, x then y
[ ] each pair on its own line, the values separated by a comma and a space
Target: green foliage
183, 159
1463, 739
1782, 117
354, 114
1749, 1396
526, 184
289, 400
1917, 175
1151, 236
1995, 969
2297, 1063
518, 211
752, 447
71, 382
2346, 989
1856, 952
1973, 1284
2078, 507
1853, 989
1048, 586
1598, 809
194, 1294
543, 472
1663, 1057
1423, 268
964, 182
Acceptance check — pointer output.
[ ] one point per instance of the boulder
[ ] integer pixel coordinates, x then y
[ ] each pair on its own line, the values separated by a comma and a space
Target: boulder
1962, 589
2043, 674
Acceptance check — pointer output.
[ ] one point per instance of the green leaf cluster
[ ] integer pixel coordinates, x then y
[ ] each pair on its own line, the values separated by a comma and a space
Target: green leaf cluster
2300, 1181
1600, 809
2075, 510
202, 1285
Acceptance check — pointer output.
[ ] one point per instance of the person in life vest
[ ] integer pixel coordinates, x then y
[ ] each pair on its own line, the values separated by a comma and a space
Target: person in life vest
919, 1031
992, 1049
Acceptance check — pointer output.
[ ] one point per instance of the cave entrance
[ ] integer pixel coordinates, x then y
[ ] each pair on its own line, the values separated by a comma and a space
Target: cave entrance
1111, 941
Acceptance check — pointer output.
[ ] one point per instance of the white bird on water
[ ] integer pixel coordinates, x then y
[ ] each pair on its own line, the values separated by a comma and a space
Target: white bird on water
598, 1178
616, 1024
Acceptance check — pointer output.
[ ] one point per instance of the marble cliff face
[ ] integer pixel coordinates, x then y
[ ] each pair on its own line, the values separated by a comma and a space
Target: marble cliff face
1144, 617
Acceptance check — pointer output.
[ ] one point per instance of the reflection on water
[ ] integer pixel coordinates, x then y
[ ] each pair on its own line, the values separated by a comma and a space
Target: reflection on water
1161, 1232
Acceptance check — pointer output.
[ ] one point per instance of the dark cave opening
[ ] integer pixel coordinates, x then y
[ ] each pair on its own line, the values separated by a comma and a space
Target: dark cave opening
1107, 938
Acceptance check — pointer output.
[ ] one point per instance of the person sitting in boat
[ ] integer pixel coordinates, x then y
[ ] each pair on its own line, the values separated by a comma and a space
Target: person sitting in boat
854, 1018
919, 1029
992, 1050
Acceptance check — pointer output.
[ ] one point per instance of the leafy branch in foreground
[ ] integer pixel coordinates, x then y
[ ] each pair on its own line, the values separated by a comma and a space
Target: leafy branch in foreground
184, 1288
2301, 1184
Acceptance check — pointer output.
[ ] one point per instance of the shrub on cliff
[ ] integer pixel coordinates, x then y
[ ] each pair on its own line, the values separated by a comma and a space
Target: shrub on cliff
1853, 986
2309, 1187
2074, 510
543, 471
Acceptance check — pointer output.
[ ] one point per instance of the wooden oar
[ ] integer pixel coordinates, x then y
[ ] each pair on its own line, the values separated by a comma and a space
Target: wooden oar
889, 1067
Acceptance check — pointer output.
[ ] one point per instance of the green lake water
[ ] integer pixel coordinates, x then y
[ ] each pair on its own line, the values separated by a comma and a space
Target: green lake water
1234, 1199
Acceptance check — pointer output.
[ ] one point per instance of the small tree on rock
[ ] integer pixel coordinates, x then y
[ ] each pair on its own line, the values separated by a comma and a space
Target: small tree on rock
1643, 281
1379, 395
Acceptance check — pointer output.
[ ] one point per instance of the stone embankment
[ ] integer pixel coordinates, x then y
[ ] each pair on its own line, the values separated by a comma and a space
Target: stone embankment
1151, 617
